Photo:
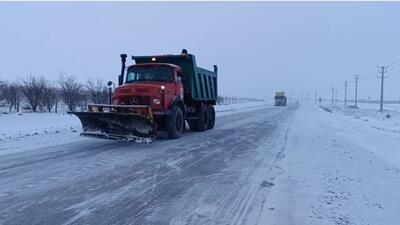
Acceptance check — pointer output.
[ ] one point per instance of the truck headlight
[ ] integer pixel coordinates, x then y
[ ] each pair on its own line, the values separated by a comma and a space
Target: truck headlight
156, 101
115, 102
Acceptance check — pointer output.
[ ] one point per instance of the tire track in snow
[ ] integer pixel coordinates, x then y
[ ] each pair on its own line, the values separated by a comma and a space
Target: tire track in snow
135, 182
234, 205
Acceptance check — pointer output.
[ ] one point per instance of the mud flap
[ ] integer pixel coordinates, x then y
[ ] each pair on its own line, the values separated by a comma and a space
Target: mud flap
119, 126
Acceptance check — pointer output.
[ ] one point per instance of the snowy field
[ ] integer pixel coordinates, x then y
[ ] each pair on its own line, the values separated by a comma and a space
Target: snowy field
373, 130
375, 106
340, 168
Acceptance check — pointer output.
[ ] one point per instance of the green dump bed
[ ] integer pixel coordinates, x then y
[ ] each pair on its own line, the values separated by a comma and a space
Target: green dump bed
200, 84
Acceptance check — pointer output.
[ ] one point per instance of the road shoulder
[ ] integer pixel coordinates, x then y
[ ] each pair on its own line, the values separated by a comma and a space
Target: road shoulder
330, 179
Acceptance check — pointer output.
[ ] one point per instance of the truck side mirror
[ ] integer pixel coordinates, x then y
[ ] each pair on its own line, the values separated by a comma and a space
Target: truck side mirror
179, 77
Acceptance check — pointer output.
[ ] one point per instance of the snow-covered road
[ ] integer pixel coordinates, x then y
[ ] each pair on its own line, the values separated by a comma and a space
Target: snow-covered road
260, 165
213, 177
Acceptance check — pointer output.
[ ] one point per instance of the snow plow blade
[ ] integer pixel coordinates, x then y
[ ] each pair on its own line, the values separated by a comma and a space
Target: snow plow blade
127, 123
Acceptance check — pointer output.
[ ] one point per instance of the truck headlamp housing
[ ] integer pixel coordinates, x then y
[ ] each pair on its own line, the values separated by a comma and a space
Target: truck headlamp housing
156, 101
162, 89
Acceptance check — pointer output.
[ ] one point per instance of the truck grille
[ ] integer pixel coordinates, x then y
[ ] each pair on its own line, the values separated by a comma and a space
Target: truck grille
140, 100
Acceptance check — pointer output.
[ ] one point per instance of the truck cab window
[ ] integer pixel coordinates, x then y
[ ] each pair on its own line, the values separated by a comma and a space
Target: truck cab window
149, 73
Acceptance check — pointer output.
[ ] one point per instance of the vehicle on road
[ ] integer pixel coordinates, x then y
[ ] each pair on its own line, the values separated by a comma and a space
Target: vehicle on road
159, 92
280, 98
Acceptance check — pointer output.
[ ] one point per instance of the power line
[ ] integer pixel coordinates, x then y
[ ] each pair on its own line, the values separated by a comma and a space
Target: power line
364, 76
392, 68
394, 62
367, 74
383, 70
397, 54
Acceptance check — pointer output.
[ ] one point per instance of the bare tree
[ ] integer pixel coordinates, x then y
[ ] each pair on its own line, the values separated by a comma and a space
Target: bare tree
33, 90
11, 95
97, 91
70, 91
3, 87
49, 98
85, 99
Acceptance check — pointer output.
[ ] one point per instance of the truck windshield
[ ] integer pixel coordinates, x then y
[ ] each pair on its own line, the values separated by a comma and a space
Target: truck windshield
150, 73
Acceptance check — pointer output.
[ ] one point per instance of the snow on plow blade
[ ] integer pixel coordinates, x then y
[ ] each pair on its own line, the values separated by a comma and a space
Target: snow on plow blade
129, 123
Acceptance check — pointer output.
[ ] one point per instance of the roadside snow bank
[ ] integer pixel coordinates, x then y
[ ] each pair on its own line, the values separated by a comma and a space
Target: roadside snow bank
368, 112
375, 131
240, 107
19, 125
334, 173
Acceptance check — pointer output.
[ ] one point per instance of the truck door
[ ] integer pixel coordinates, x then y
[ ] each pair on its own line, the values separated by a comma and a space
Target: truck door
179, 87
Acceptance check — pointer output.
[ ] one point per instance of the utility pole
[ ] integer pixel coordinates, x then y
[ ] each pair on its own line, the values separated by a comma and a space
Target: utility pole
56, 106
355, 96
315, 98
333, 92
383, 71
335, 96
345, 93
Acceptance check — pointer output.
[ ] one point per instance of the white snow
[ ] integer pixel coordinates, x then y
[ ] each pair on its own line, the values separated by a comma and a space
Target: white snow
339, 165
338, 169
21, 131
240, 107
19, 125
375, 131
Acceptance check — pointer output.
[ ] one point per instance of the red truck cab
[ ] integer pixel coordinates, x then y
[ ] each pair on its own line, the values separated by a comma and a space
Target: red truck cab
152, 84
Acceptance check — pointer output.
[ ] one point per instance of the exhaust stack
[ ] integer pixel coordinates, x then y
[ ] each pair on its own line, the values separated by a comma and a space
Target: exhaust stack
121, 76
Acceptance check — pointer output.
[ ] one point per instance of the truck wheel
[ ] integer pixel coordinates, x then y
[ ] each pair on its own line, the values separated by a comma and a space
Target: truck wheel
211, 113
201, 123
206, 119
175, 123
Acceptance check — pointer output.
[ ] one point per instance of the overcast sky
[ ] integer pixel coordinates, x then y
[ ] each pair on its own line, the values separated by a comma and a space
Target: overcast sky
259, 47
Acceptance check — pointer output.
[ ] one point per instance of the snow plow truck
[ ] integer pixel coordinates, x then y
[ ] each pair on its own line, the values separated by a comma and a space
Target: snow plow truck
158, 92
280, 98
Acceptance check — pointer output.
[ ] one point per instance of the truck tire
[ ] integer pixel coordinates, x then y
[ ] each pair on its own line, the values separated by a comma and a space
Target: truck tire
211, 113
202, 121
175, 123
193, 125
